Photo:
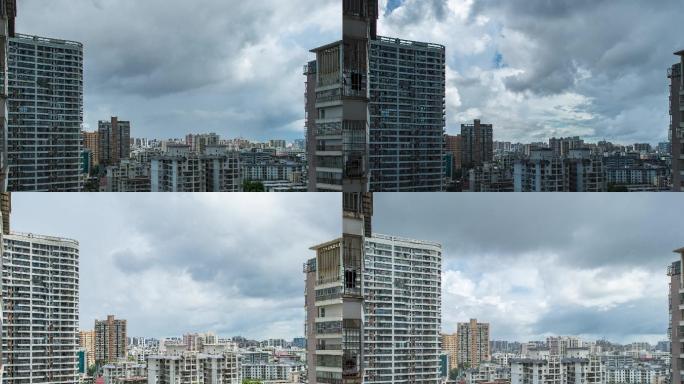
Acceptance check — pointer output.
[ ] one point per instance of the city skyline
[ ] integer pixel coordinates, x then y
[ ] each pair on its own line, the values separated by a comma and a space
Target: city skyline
491, 73
528, 282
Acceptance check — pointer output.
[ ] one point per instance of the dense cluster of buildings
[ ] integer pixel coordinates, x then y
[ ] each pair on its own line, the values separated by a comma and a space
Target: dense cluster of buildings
476, 163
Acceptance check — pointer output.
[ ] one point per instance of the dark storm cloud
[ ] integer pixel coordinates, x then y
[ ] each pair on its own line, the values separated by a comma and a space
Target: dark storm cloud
190, 66
585, 230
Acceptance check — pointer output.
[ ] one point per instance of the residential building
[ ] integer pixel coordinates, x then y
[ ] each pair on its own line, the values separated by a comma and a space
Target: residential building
675, 330
342, 98
8, 13
214, 364
277, 143
91, 142
124, 372
450, 347
86, 340
407, 115
310, 117
4, 230
45, 114
473, 343
402, 288
128, 176
180, 169
477, 142
548, 369
454, 145
338, 297
110, 340
198, 143
40, 296
490, 177
114, 139
265, 372
542, 171
585, 171
311, 313
562, 147
677, 123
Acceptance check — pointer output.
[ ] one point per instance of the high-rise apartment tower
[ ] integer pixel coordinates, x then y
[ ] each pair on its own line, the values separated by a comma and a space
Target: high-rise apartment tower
45, 114
40, 289
8, 12
110, 340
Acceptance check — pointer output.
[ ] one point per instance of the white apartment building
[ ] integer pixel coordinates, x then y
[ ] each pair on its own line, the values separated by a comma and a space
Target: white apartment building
115, 373
402, 285
214, 364
270, 371
638, 374
45, 114
551, 369
180, 169
487, 373
40, 290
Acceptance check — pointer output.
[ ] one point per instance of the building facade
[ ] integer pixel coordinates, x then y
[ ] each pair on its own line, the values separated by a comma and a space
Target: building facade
45, 114
473, 343
91, 142
114, 141
402, 285
407, 115
477, 144
214, 364
677, 123
342, 97
182, 170
8, 13
86, 340
450, 348
40, 289
675, 330
110, 340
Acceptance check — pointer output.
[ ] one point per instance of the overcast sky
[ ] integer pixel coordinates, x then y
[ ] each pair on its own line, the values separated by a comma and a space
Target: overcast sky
534, 265
175, 263
591, 265
534, 68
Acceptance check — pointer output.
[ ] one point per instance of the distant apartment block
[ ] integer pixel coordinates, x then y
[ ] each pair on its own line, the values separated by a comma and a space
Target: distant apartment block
110, 340
45, 114
677, 122
407, 115
473, 343
180, 169
114, 139
214, 364
8, 12
198, 143
91, 142
557, 370
477, 141
124, 372
561, 147
40, 277
450, 347
86, 340
454, 146
128, 176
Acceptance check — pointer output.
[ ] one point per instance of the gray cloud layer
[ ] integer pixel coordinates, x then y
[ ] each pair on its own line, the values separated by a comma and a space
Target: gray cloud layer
537, 265
592, 265
535, 68
231, 263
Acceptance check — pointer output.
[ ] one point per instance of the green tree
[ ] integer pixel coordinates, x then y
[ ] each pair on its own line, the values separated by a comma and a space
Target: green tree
253, 186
